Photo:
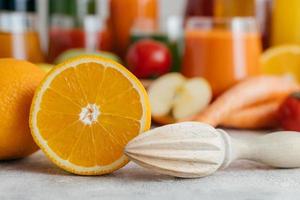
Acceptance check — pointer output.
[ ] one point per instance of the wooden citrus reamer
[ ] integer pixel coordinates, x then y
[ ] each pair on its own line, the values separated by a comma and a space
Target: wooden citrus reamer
193, 149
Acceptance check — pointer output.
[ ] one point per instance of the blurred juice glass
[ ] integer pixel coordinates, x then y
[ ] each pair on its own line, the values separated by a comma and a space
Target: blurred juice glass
224, 51
128, 13
75, 24
260, 9
19, 37
286, 22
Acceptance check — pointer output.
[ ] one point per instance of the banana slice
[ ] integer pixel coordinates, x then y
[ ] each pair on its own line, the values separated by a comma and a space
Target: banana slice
173, 97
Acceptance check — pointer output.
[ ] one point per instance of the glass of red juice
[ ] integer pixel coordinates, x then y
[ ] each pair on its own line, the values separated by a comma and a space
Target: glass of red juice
74, 28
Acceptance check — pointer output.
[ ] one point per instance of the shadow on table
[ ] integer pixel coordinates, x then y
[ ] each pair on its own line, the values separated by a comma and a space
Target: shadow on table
246, 165
38, 163
135, 173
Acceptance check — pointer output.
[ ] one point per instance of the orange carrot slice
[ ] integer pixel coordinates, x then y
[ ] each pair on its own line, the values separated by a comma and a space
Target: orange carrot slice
246, 93
262, 116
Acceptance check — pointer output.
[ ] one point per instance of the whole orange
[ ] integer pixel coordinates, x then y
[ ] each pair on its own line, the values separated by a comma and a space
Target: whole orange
18, 81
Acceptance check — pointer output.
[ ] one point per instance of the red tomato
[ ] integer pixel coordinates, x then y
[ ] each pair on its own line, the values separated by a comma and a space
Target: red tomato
149, 58
289, 113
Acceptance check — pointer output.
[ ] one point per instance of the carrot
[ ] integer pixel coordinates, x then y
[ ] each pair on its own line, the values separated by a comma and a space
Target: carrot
248, 92
261, 116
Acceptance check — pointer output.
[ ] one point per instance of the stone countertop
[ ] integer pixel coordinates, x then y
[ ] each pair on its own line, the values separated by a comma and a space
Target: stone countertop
36, 178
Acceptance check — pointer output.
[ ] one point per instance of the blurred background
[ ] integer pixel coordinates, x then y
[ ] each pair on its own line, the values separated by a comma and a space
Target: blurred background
220, 40
167, 8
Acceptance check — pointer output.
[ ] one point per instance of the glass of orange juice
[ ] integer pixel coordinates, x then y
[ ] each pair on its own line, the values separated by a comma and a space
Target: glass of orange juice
222, 50
261, 9
19, 37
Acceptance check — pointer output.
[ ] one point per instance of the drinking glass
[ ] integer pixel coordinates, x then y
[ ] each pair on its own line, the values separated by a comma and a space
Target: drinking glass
76, 25
19, 37
261, 9
222, 50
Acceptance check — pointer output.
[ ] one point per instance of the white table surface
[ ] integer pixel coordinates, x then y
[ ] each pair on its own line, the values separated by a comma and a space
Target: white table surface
37, 178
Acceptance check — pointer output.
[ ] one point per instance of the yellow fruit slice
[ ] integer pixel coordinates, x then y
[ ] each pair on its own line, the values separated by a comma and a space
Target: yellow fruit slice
84, 113
282, 60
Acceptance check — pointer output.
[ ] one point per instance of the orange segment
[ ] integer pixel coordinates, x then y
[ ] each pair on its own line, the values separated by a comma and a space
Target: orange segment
83, 152
63, 141
67, 85
85, 112
59, 103
115, 105
49, 127
104, 155
112, 81
90, 77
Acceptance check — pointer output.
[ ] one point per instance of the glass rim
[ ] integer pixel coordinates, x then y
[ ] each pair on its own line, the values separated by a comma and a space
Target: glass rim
220, 20
235, 24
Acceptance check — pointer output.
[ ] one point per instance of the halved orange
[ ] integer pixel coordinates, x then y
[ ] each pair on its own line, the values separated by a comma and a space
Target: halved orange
84, 113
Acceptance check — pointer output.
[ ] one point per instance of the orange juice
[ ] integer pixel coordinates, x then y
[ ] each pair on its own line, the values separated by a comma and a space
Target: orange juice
125, 14
261, 9
221, 56
23, 45
19, 36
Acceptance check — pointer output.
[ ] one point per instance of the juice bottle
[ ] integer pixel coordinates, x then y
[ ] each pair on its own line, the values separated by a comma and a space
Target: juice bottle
19, 37
75, 24
129, 13
286, 20
224, 51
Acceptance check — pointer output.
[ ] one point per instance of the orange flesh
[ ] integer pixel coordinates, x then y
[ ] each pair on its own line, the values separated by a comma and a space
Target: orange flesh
102, 142
220, 56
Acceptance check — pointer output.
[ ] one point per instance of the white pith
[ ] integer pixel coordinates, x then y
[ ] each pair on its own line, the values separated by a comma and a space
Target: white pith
89, 114
36, 108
